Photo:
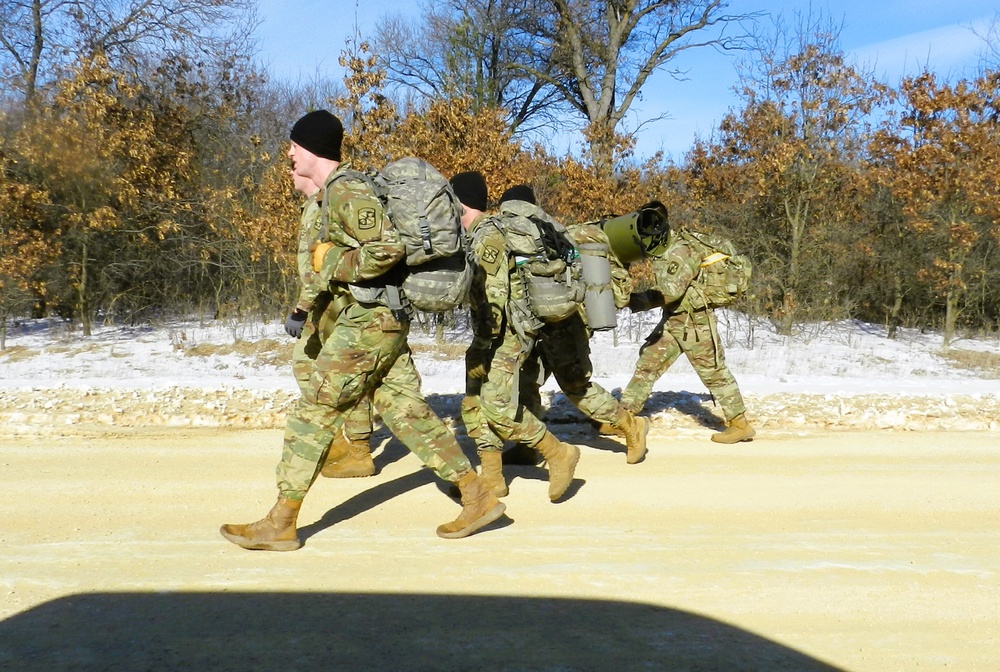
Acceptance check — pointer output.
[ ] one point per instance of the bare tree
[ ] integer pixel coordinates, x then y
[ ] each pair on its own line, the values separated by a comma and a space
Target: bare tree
604, 51
38, 37
475, 50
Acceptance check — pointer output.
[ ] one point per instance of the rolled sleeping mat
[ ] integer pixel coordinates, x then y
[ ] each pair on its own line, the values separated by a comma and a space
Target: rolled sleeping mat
599, 297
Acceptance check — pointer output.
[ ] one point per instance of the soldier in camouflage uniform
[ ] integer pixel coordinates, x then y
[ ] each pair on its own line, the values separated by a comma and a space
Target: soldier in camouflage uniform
366, 353
315, 312
490, 410
665, 278
563, 349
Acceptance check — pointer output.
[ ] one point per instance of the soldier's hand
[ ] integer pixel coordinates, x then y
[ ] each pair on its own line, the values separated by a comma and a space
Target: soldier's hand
296, 322
319, 251
477, 359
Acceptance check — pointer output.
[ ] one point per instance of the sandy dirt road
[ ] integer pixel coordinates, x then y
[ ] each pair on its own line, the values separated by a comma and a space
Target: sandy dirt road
868, 550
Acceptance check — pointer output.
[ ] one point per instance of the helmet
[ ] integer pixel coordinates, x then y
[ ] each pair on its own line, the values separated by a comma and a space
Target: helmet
638, 234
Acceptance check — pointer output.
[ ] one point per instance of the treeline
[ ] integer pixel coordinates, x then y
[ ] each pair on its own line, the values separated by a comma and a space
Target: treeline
129, 194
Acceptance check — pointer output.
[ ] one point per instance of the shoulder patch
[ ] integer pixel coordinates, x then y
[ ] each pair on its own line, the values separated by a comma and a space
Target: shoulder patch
490, 259
367, 219
672, 268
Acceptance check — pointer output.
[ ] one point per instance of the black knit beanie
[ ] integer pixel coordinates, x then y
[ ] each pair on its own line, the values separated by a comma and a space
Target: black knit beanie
470, 187
520, 192
319, 132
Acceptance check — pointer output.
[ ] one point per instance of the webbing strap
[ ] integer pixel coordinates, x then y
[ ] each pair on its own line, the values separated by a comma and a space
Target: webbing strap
714, 258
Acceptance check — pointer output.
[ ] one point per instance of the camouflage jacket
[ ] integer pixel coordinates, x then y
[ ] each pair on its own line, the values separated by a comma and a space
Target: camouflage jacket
366, 245
310, 224
491, 284
675, 269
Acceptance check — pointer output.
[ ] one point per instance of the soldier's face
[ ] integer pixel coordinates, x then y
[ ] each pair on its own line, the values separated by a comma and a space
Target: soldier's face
303, 161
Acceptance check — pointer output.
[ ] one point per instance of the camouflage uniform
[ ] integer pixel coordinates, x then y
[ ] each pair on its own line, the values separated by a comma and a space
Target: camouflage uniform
491, 411
316, 298
365, 354
686, 326
563, 347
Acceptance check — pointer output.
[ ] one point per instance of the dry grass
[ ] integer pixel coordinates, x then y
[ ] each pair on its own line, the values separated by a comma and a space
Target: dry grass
18, 353
272, 352
441, 351
987, 364
266, 351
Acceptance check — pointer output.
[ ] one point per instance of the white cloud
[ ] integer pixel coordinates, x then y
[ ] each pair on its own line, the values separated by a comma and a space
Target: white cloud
947, 50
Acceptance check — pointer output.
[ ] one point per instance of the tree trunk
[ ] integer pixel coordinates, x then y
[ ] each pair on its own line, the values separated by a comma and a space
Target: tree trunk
897, 305
81, 292
950, 316
796, 214
787, 313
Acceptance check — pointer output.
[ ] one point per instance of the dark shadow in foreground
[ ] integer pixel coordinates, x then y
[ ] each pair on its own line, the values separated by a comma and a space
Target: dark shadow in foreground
337, 631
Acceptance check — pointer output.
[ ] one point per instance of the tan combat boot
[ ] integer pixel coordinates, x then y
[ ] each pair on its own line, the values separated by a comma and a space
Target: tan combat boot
480, 507
348, 458
738, 430
491, 472
634, 428
276, 532
561, 459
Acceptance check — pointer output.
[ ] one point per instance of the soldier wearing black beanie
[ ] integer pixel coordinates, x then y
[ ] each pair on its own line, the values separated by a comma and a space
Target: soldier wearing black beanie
319, 132
470, 187
520, 192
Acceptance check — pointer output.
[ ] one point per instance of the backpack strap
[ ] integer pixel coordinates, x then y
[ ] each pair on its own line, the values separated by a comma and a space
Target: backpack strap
554, 242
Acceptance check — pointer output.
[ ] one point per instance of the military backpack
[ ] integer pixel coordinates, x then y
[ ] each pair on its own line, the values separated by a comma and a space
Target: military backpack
724, 275
545, 260
425, 211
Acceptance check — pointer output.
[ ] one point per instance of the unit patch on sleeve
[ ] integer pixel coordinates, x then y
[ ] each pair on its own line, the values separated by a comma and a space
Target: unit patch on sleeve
672, 268
490, 259
367, 219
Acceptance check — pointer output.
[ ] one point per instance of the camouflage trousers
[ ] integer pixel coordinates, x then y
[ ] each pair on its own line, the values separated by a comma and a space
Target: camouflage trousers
564, 350
696, 335
491, 409
366, 355
358, 421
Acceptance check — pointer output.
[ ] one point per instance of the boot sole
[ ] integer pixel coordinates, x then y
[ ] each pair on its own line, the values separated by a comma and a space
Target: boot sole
347, 473
356, 470
243, 542
477, 524
739, 440
645, 433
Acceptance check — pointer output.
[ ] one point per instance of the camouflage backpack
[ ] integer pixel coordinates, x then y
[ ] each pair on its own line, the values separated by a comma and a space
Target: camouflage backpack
725, 273
425, 211
545, 260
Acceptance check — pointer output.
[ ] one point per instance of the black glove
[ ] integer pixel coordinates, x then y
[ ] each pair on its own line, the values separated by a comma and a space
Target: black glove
477, 360
295, 322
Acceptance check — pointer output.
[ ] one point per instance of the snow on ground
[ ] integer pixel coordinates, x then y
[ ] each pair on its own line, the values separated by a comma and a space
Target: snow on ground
840, 375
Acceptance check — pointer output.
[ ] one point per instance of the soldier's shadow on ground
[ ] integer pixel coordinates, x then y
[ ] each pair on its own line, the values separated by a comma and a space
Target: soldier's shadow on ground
567, 421
232, 631
388, 449
696, 406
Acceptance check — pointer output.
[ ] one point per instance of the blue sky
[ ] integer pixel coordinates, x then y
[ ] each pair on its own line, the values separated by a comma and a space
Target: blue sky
892, 37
